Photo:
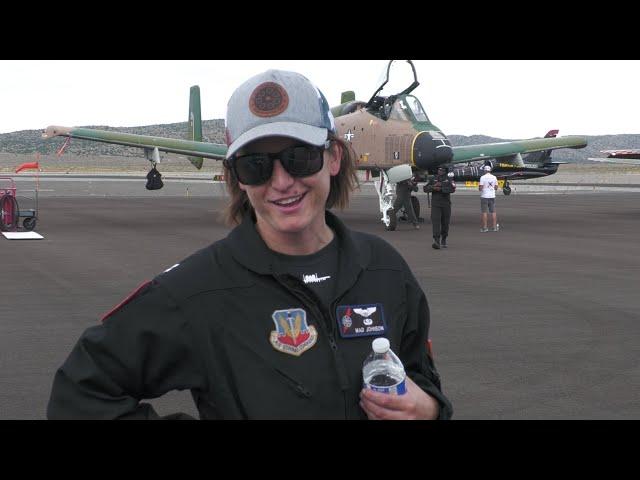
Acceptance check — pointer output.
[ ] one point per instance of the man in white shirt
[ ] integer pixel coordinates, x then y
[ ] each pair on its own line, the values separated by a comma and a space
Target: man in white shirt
488, 186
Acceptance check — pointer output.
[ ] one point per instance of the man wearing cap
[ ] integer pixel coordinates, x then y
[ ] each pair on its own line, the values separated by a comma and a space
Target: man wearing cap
488, 185
275, 320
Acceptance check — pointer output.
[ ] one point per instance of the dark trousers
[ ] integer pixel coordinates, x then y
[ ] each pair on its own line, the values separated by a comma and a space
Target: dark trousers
403, 199
440, 217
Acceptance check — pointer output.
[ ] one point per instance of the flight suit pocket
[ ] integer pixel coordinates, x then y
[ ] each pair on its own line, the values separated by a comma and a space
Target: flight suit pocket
297, 387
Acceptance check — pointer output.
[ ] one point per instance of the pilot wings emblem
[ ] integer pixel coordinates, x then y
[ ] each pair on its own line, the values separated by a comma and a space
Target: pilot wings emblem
365, 312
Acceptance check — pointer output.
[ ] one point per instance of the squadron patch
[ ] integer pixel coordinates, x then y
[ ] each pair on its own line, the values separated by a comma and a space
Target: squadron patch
268, 100
361, 320
292, 334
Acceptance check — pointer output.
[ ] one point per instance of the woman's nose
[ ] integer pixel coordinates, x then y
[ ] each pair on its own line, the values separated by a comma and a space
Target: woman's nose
280, 179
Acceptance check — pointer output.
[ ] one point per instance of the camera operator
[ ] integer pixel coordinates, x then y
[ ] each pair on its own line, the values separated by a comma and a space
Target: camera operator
441, 187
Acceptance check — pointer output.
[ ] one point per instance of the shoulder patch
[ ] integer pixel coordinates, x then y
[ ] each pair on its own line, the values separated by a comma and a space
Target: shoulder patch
130, 297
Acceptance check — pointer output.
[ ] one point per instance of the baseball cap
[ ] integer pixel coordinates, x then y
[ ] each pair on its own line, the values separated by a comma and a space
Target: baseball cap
277, 103
487, 168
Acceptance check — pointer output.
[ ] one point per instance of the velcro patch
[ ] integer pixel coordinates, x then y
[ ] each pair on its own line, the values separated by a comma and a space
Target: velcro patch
361, 320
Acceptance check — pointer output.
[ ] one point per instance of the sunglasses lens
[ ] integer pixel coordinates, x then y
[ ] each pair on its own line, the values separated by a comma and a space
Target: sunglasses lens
302, 161
253, 169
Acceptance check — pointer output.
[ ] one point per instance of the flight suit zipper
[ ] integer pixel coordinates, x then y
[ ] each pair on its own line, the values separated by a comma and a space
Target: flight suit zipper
306, 296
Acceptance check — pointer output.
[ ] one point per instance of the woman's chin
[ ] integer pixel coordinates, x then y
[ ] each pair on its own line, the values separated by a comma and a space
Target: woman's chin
292, 225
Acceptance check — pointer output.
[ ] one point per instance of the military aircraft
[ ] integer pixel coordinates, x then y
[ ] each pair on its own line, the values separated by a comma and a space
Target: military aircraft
391, 135
620, 157
629, 153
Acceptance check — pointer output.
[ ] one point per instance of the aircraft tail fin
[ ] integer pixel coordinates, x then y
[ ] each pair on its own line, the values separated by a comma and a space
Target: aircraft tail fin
195, 122
543, 157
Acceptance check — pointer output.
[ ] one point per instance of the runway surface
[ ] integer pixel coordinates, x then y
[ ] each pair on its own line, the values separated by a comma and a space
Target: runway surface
538, 321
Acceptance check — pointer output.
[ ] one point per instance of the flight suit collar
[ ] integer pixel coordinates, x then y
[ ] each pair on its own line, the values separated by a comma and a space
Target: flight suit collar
249, 249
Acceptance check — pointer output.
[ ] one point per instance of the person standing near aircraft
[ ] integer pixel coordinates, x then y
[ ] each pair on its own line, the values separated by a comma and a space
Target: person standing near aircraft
403, 199
441, 188
275, 320
488, 185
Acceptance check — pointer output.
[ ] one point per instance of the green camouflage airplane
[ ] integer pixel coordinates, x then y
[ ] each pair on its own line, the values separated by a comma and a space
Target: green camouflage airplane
391, 135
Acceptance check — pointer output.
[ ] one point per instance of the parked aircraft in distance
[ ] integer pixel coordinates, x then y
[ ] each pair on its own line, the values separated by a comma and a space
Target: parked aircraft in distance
392, 137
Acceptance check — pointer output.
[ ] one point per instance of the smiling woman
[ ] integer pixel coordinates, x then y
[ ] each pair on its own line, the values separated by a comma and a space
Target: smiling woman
255, 325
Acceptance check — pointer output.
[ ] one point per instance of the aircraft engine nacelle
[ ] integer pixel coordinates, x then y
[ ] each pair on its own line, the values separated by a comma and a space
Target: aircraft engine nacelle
399, 173
430, 149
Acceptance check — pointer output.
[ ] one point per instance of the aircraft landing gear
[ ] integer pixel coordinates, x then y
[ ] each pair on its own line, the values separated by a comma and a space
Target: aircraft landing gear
386, 194
386, 189
506, 189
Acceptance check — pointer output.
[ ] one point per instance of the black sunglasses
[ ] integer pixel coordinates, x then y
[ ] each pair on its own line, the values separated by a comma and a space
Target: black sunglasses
257, 168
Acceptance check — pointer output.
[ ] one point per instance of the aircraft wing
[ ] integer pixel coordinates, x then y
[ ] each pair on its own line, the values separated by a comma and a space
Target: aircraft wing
469, 153
190, 148
618, 161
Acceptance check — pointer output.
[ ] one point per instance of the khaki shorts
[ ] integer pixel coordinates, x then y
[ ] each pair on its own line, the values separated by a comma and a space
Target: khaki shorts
488, 204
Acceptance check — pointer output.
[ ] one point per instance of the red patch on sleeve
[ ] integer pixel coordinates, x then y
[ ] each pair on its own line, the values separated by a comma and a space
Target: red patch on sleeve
130, 297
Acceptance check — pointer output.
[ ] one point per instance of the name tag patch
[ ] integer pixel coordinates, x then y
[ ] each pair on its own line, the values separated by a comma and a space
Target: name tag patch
361, 320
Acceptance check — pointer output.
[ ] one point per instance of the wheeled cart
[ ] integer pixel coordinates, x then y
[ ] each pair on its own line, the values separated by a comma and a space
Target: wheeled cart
10, 213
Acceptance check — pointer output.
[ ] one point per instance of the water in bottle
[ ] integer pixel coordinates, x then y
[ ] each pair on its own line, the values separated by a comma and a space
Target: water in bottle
382, 370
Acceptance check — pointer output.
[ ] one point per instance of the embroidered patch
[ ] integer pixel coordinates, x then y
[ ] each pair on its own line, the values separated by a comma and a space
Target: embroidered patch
268, 100
292, 334
361, 320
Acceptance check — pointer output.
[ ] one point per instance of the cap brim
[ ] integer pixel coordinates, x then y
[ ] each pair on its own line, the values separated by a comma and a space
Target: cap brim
305, 133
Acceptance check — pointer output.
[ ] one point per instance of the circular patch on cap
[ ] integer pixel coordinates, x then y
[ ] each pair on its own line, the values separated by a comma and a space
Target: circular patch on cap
268, 100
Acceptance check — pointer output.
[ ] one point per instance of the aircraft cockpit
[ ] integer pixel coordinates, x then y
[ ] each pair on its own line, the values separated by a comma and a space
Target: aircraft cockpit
406, 108
400, 106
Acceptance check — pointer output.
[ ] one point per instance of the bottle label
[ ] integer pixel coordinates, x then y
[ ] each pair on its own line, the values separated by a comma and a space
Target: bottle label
397, 389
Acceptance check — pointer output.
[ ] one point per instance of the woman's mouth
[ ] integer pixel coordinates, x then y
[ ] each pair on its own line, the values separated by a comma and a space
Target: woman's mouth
289, 203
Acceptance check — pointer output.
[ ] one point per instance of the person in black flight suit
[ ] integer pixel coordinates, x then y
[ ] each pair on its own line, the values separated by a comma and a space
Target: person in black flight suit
403, 199
264, 323
441, 188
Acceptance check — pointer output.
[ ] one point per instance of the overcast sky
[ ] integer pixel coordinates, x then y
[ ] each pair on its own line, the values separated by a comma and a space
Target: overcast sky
505, 98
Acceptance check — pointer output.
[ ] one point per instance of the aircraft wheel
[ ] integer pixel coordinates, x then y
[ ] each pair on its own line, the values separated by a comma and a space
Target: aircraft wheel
393, 221
29, 223
415, 203
506, 190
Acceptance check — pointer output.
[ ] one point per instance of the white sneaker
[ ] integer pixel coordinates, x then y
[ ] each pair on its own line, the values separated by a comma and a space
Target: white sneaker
497, 228
483, 230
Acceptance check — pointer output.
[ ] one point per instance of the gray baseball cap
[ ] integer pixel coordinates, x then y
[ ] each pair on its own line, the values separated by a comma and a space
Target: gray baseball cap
277, 103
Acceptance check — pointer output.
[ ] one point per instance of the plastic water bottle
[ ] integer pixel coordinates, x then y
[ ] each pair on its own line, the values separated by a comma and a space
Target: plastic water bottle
382, 370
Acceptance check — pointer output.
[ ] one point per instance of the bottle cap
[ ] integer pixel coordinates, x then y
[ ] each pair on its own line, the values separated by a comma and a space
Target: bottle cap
380, 345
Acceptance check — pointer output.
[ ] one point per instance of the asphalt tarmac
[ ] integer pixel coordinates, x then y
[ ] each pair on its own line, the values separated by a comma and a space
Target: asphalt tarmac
540, 320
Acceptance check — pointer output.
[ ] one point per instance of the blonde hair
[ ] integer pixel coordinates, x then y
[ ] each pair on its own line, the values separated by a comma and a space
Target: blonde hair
342, 185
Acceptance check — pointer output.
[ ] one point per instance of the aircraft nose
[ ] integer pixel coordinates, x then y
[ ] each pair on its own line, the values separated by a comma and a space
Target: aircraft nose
431, 149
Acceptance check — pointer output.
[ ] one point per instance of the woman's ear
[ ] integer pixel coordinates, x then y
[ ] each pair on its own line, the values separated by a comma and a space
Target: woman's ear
335, 158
